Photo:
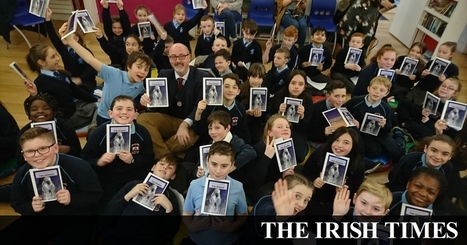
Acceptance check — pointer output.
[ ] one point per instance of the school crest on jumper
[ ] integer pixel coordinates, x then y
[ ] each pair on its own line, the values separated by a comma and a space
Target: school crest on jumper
252, 52
281, 82
181, 29
234, 121
135, 148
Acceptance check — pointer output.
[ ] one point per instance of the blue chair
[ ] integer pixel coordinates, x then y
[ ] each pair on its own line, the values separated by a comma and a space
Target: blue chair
262, 12
321, 14
189, 11
22, 17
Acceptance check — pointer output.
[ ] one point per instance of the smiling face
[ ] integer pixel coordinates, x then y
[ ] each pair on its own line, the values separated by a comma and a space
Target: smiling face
231, 90
387, 60
217, 131
368, 207
280, 128
40, 160
255, 82
51, 61
415, 52
138, 71
300, 196
296, 86
222, 65
337, 97
142, 15
437, 153
181, 63
342, 145
164, 170
219, 166
179, 16
423, 190
117, 28
376, 92
123, 112
219, 44
319, 38
448, 89
40, 111
131, 45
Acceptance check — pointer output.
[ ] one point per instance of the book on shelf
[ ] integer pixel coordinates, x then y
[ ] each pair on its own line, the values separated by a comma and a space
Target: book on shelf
451, 9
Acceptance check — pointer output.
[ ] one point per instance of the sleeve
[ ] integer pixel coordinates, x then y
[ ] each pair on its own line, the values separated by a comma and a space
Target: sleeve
8, 132
245, 154
92, 151
107, 21
399, 175
118, 203
188, 205
89, 188
172, 220
20, 201
79, 93
54, 38
235, 5
194, 21
258, 169
159, 49
105, 45
327, 59
89, 74
241, 207
198, 45
312, 167
145, 156
258, 56
340, 59
214, 4
125, 22
72, 141
236, 52
302, 124
363, 81
315, 127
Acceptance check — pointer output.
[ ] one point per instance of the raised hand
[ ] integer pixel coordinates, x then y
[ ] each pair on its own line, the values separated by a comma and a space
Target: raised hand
281, 199
341, 201
269, 151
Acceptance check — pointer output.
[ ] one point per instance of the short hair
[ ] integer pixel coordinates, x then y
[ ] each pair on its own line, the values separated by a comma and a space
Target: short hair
179, 8
298, 179
120, 98
142, 7
221, 38
221, 117
171, 159
333, 85
291, 31
381, 80
36, 132
223, 53
434, 173
318, 29
169, 39
206, 18
251, 26
257, 70
357, 34
376, 189
443, 138
138, 56
385, 48
284, 51
222, 148
234, 77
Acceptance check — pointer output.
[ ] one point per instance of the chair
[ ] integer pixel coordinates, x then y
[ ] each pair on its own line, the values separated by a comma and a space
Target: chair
180, 199
238, 21
321, 14
262, 12
22, 17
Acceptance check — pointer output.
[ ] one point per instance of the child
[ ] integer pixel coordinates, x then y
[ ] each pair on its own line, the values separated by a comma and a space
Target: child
291, 195
247, 50
179, 27
8, 133
79, 196
343, 142
115, 170
131, 44
141, 13
116, 28
222, 60
288, 41
342, 71
276, 77
391, 145
129, 82
43, 59
82, 74
384, 59
41, 108
219, 43
436, 154
209, 34
405, 83
215, 230
159, 225
161, 52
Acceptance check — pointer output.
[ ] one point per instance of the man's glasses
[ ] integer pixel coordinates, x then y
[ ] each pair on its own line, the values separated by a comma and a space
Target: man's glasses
42, 150
180, 57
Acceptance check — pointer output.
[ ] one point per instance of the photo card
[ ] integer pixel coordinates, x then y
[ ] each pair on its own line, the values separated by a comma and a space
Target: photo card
118, 137
411, 213
156, 88
152, 18
389, 74
203, 157
454, 114
347, 116
84, 21
144, 29
316, 56
71, 28
336, 117
111, 1
50, 125
220, 25
438, 66
215, 197
258, 98
408, 66
285, 154
383, 234
431, 103
20, 71
370, 124
353, 56
213, 90
272, 32
38, 7
197, 4
334, 169
46, 182
156, 185
291, 109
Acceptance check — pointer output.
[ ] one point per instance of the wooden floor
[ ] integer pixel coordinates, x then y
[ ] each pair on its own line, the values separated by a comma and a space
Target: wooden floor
12, 92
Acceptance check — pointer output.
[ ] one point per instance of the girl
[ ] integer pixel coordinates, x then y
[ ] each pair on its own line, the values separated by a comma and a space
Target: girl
44, 59
343, 142
41, 108
290, 196
8, 133
405, 83
141, 13
384, 59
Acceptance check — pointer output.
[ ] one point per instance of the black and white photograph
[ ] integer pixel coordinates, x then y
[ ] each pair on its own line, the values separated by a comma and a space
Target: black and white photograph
347, 116
212, 90
156, 88
411, 213
38, 7
272, 32
144, 29
334, 169
316, 56
258, 98
285, 154
431, 103
50, 125
71, 28
439, 66
291, 109
383, 234
118, 138
220, 25
353, 56
454, 114
46, 182
408, 66
84, 21
197, 4
389, 74
20, 71
215, 197
156, 186
370, 124
337, 117
203, 157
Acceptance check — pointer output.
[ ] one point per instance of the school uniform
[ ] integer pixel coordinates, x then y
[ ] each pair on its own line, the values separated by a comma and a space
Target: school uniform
293, 58
246, 52
180, 32
339, 72
115, 47
404, 83
159, 58
8, 134
205, 42
431, 83
311, 71
365, 77
148, 43
276, 79
319, 122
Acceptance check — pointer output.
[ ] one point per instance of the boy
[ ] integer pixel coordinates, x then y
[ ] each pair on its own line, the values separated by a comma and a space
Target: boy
115, 170
222, 61
318, 37
215, 230
279, 73
179, 27
288, 41
159, 225
342, 71
246, 50
219, 43
161, 52
209, 34
384, 142
79, 196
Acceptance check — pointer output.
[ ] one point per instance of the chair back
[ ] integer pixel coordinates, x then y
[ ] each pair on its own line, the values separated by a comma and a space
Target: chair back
322, 13
180, 199
22, 17
262, 12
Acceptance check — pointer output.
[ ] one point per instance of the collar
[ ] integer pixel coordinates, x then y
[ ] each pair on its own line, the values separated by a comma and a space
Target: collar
47, 72
185, 77
404, 200
231, 106
424, 164
245, 42
283, 69
176, 24
132, 127
226, 72
205, 36
328, 104
371, 105
314, 46
228, 137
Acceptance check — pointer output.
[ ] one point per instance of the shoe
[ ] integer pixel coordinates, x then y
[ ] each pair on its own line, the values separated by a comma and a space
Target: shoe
409, 141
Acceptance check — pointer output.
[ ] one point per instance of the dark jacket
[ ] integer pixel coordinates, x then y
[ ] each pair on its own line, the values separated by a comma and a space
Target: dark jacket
181, 33
8, 133
7, 11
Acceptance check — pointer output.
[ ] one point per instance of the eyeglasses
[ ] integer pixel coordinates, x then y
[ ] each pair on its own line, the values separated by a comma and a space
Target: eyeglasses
180, 57
42, 150
448, 88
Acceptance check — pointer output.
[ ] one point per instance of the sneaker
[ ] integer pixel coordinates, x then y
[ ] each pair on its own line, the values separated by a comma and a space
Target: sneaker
408, 139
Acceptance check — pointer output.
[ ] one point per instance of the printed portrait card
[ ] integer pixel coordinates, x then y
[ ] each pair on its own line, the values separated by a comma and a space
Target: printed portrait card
46, 182
118, 137
220, 25
338, 117
431, 103
316, 56
438, 66
353, 56
156, 88
454, 114
285, 154
197, 4
291, 109
213, 90
38, 7
71, 28
411, 213
215, 197
258, 98
389, 74
144, 29
370, 124
156, 186
20, 71
334, 169
408, 66
203, 157
84, 21
50, 125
